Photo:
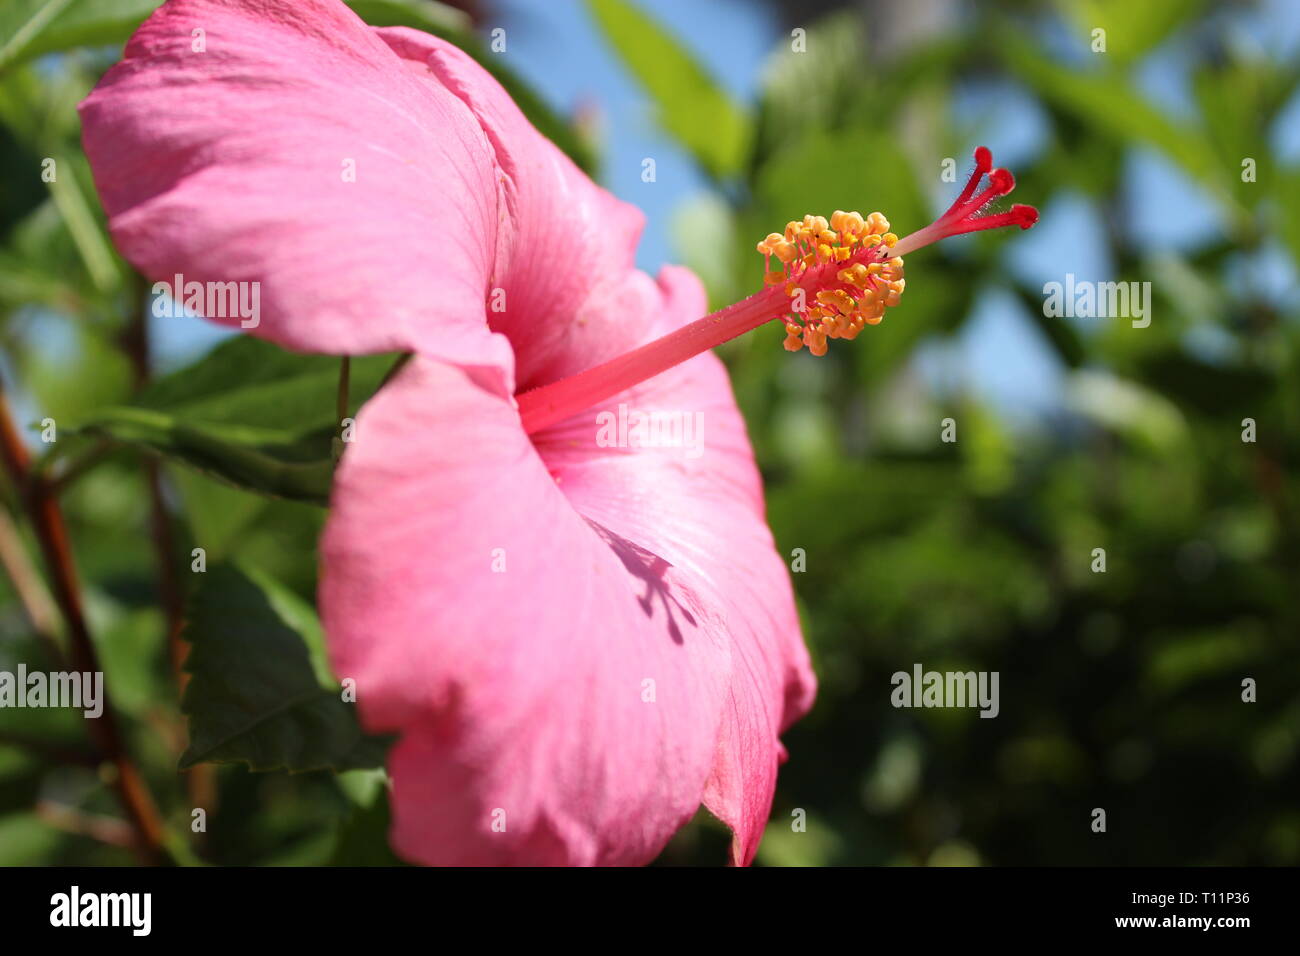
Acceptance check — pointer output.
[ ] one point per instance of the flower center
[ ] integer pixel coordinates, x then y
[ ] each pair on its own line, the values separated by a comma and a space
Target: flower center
833, 278
840, 276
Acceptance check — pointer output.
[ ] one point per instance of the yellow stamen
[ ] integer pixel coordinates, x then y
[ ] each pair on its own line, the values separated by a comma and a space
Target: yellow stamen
838, 274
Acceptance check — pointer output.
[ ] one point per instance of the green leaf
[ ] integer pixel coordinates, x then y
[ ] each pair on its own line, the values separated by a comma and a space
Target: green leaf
805, 93
37, 27
248, 413
363, 837
859, 169
431, 17
260, 692
128, 641
692, 107
1132, 29
87, 231
1239, 99
27, 840
22, 192
220, 517
57, 250
245, 380
23, 22
1110, 104
1130, 409
247, 457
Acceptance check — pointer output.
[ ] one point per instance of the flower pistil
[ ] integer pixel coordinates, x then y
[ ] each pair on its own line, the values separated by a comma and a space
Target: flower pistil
842, 274
824, 279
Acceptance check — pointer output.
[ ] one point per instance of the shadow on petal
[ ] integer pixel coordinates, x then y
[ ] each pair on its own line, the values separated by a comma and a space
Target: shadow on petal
652, 569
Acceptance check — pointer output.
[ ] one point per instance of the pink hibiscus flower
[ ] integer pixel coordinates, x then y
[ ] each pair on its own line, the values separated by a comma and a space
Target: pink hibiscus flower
577, 641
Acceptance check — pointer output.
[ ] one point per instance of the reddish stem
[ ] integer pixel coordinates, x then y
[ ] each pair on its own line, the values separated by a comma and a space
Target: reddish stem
557, 401
47, 519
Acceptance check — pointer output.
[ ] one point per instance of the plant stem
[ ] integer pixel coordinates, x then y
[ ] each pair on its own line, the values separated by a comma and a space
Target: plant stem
345, 373
556, 401
87, 462
47, 519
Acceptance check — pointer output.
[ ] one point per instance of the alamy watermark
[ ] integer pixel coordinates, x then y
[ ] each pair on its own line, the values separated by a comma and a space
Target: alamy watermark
923, 688
74, 908
78, 690
1098, 300
632, 428
212, 300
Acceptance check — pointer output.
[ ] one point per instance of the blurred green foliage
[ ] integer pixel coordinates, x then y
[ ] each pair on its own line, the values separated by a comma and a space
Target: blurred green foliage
1120, 690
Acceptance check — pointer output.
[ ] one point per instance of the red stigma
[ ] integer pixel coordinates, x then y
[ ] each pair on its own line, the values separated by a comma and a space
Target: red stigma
1023, 216
964, 214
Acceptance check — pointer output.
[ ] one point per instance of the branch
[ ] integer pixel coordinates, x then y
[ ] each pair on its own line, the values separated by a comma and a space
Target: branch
47, 519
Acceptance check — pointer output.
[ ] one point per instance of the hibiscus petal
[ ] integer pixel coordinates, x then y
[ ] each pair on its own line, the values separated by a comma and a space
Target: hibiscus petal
700, 507
565, 263
520, 692
228, 164
511, 689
